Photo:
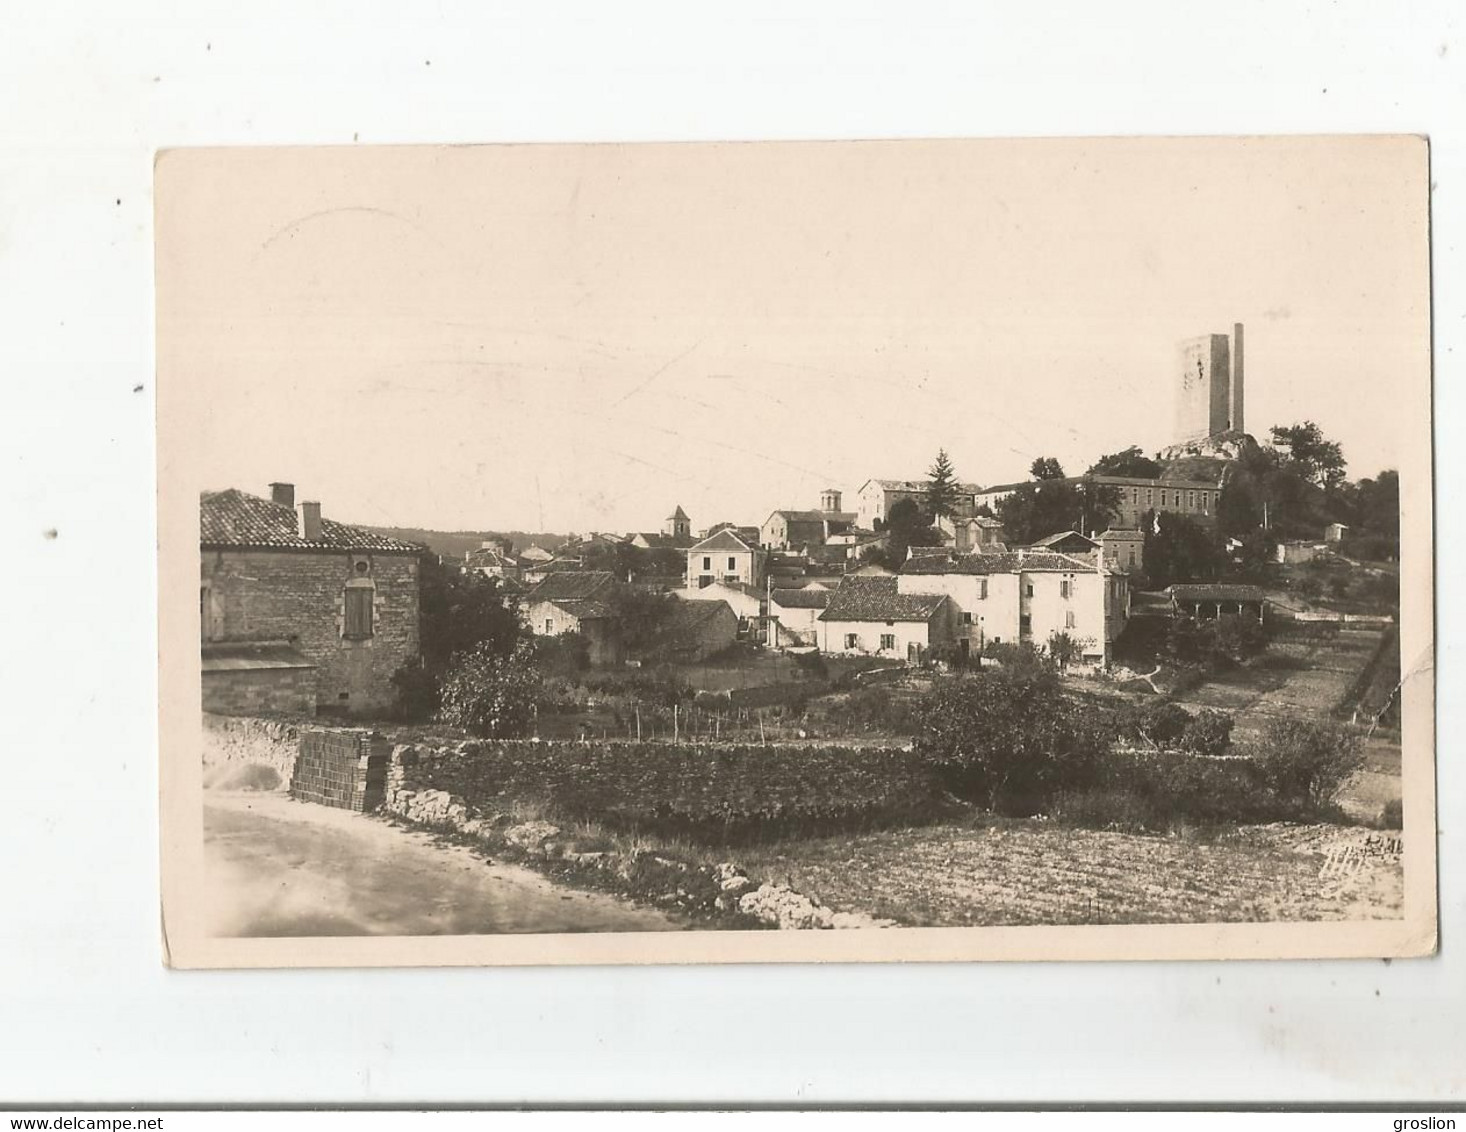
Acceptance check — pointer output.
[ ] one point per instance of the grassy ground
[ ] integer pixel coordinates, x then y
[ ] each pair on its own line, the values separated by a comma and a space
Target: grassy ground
1032, 872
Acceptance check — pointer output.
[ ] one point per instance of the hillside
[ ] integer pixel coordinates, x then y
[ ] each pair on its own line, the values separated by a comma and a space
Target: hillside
458, 543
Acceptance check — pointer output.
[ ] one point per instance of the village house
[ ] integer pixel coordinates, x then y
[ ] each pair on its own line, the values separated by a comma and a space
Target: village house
493, 560
972, 532
726, 558
875, 499
535, 553
1025, 595
792, 530
869, 616
1295, 552
576, 602
298, 613
1122, 549
676, 534
1067, 542
794, 615
748, 603
700, 629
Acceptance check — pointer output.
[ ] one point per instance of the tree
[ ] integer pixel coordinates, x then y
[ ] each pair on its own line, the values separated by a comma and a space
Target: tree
1033, 510
1046, 468
1128, 462
641, 619
1065, 648
1307, 763
1318, 460
1178, 549
457, 613
941, 495
1008, 738
906, 527
489, 694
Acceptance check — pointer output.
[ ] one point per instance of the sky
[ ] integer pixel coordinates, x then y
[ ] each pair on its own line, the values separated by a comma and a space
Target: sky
575, 338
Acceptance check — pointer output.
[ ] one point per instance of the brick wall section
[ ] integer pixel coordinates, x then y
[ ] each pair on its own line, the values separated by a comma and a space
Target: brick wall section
300, 597
261, 691
345, 768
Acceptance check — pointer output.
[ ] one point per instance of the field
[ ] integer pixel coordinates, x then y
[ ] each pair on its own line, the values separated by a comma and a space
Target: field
1032, 872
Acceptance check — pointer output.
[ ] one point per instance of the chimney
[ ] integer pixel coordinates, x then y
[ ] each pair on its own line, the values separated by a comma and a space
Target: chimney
309, 526
283, 493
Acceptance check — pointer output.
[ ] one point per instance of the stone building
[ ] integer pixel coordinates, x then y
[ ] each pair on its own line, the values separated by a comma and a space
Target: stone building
1210, 389
726, 558
298, 613
875, 499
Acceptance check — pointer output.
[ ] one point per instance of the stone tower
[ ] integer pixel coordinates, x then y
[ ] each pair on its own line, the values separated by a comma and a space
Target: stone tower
1209, 393
830, 499
678, 525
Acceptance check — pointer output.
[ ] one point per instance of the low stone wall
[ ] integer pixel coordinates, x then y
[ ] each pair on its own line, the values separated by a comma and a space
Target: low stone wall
243, 752
343, 767
720, 889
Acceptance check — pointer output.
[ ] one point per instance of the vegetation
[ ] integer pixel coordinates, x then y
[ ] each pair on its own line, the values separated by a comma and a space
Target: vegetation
1215, 644
941, 495
491, 695
1128, 462
1179, 549
1052, 503
906, 526
458, 613
1307, 762
719, 795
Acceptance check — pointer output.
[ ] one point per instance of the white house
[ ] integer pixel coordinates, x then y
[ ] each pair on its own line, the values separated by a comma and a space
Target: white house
1025, 595
868, 616
725, 558
794, 615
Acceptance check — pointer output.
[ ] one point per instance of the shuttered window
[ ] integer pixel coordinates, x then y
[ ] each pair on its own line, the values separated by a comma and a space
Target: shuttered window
358, 613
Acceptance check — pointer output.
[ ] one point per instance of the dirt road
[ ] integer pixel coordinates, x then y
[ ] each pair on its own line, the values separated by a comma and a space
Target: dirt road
283, 868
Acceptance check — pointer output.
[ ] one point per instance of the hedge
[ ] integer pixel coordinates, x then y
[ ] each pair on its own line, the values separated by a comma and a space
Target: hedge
723, 794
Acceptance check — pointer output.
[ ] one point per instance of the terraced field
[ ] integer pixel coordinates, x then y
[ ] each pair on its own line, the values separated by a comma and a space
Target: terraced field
1031, 872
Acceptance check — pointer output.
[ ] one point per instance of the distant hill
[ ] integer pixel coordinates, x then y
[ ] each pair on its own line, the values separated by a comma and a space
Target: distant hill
459, 543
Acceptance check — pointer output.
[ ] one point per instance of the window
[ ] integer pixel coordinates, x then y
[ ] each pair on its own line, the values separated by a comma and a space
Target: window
982, 589
1027, 589
707, 563
1066, 587
358, 625
549, 626
966, 618
1025, 625
852, 641
888, 641
1069, 619
1191, 500
1149, 497
732, 564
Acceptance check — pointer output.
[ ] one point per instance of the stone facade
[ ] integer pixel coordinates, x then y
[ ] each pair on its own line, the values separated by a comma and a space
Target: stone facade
260, 691
300, 597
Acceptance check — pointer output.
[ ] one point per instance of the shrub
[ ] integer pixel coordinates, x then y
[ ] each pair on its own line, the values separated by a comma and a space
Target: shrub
1209, 733
1103, 809
1158, 723
417, 697
1175, 785
489, 694
1307, 763
1007, 738
1391, 816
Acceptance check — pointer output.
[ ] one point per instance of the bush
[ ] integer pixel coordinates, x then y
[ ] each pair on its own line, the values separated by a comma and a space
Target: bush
1008, 739
1174, 785
719, 795
1209, 733
1391, 815
1307, 763
491, 695
1158, 723
417, 698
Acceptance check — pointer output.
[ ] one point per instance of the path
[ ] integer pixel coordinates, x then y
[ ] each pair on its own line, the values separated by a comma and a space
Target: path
278, 867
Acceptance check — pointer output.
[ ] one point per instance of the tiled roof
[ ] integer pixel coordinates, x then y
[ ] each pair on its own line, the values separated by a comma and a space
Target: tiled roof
1010, 562
925, 485
810, 598
586, 609
572, 584
236, 519
1062, 536
723, 540
486, 557
656, 540
687, 614
876, 599
1216, 591
846, 517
